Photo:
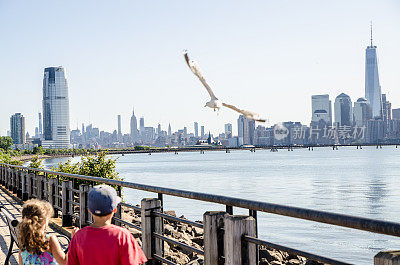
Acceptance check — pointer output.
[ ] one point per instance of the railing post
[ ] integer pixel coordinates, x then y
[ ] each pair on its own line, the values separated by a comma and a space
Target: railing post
387, 258
9, 179
213, 237
83, 212
51, 196
151, 224
24, 177
66, 217
237, 251
1, 174
39, 185
46, 187
30, 185
19, 183
16, 181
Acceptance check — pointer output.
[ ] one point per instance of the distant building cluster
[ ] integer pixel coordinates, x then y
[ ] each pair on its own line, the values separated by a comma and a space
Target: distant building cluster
370, 119
90, 137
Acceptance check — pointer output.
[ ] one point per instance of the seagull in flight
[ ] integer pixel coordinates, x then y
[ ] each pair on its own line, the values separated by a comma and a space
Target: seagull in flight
215, 103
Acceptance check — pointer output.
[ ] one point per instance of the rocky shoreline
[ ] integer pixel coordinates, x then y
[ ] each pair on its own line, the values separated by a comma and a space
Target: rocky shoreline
193, 236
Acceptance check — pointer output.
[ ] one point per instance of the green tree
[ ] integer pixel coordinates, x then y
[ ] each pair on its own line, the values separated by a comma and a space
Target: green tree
5, 142
38, 150
36, 162
98, 165
7, 159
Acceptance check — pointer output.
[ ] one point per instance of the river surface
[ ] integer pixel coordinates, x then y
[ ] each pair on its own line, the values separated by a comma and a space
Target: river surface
363, 183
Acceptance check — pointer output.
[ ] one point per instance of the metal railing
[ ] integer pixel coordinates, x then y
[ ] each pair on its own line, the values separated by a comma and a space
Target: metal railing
71, 201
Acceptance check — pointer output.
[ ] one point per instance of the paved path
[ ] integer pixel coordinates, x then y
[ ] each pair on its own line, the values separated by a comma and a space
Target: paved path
15, 208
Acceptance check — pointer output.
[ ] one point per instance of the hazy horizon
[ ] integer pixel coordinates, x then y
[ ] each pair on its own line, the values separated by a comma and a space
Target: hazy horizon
268, 57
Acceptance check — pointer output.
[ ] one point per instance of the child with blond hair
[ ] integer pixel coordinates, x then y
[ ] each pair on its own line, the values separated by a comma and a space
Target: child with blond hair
36, 248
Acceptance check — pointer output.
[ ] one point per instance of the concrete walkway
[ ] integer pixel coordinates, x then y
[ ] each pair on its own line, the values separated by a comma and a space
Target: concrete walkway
14, 207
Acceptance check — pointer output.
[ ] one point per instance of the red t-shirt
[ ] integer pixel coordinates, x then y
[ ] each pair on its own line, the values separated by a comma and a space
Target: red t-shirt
109, 245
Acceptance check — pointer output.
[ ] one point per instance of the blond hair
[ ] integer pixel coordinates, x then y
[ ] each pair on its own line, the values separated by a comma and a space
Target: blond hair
31, 234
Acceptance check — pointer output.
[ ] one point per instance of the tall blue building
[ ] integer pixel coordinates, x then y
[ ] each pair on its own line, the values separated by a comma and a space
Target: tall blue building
372, 85
56, 132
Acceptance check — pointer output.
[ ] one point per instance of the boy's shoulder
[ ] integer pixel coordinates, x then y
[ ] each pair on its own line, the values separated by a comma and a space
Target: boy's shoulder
111, 230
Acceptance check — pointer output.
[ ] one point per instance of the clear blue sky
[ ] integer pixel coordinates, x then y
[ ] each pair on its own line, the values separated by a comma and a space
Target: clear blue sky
266, 56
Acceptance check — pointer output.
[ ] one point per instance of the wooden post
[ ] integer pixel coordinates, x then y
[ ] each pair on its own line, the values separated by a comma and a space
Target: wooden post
30, 186
213, 237
387, 258
83, 212
46, 187
150, 224
39, 186
16, 181
51, 196
24, 177
66, 217
237, 251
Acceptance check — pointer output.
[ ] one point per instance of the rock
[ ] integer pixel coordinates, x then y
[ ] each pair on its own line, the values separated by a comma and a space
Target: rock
196, 262
275, 262
198, 231
270, 255
263, 262
136, 233
198, 240
172, 213
294, 261
313, 262
168, 229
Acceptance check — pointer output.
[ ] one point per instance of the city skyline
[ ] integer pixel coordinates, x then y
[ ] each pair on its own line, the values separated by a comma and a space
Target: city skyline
255, 71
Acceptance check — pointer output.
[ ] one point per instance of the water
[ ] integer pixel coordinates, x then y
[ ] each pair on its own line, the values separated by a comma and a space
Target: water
349, 181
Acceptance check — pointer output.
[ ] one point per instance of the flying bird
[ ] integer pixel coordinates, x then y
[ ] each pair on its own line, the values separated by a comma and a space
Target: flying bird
215, 103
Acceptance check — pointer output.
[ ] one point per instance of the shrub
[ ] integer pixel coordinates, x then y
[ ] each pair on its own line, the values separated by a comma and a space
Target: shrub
98, 165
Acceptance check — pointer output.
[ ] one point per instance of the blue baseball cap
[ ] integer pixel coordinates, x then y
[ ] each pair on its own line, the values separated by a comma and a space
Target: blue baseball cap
102, 200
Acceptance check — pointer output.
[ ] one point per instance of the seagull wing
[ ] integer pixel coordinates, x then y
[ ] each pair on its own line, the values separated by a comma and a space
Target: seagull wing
193, 65
248, 114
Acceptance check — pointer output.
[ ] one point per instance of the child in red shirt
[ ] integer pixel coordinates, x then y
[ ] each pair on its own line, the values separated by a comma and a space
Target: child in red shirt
102, 242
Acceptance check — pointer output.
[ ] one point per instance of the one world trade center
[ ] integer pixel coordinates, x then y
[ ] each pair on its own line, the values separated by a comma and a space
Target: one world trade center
372, 86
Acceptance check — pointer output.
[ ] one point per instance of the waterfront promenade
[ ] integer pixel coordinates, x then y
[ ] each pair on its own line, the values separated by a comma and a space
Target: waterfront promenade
226, 236
14, 206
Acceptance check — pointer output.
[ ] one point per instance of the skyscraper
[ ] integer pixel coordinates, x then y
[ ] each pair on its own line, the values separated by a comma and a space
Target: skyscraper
343, 110
396, 114
228, 130
321, 108
196, 129
386, 111
134, 130
55, 109
372, 86
246, 129
159, 130
362, 112
169, 129
202, 132
119, 128
141, 125
40, 128
17, 125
